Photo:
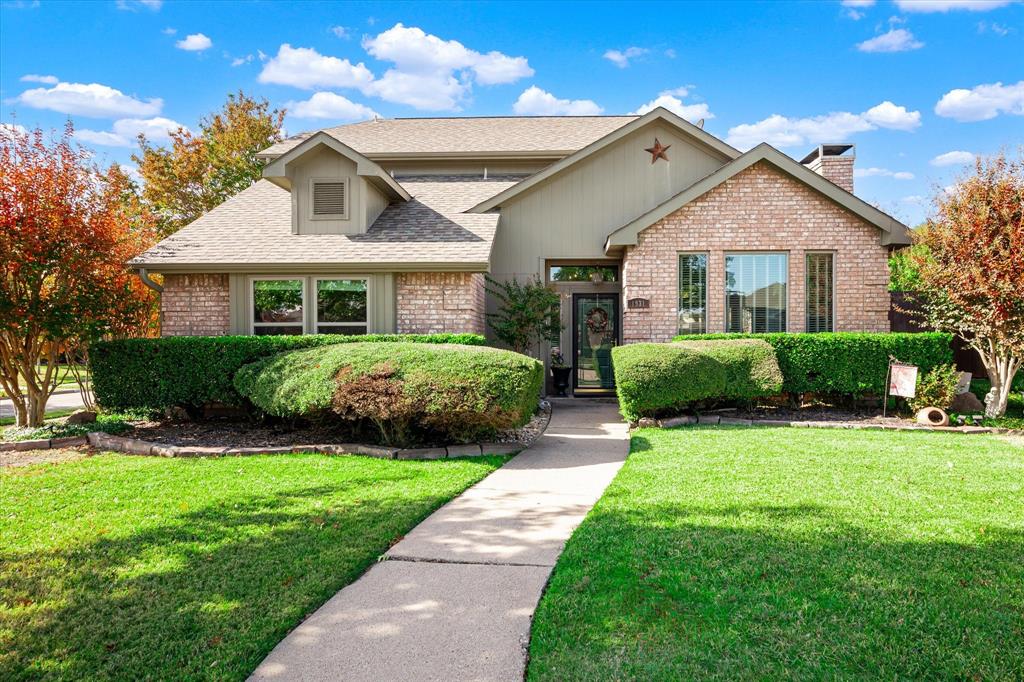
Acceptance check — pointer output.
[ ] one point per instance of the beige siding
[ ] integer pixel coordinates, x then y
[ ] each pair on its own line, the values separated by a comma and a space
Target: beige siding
326, 164
375, 203
570, 215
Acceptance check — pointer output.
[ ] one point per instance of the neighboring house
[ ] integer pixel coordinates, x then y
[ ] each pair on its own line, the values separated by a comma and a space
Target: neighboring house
648, 225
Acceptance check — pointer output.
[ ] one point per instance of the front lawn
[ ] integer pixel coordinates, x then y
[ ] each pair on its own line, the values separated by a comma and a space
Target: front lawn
119, 567
794, 553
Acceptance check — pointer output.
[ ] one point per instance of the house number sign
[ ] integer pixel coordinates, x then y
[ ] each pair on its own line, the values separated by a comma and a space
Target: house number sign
638, 303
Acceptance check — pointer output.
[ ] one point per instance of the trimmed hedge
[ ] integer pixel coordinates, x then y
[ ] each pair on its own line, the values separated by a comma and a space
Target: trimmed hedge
191, 371
653, 378
408, 391
852, 364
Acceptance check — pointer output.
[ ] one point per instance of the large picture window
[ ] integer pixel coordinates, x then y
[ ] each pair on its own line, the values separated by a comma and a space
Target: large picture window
341, 306
756, 292
277, 306
819, 292
693, 293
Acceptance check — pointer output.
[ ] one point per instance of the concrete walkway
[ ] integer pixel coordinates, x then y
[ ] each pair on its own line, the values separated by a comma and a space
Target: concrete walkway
455, 597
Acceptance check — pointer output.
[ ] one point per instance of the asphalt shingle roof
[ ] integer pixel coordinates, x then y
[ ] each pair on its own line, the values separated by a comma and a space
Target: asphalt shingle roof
488, 135
254, 227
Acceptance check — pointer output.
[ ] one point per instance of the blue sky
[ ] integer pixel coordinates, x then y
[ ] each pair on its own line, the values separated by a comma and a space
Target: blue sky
918, 85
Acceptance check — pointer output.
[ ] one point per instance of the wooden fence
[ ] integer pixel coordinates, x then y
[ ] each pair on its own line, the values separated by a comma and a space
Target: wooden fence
966, 359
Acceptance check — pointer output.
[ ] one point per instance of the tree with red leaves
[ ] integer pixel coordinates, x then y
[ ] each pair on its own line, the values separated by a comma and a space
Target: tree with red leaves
66, 230
971, 269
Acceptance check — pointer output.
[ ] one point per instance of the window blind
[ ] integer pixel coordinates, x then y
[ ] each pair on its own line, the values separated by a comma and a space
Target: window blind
819, 292
693, 293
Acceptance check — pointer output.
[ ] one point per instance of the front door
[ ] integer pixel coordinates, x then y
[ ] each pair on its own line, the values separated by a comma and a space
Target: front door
595, 323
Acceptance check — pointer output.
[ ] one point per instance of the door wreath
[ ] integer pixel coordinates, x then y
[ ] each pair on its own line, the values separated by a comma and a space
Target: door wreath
597, 326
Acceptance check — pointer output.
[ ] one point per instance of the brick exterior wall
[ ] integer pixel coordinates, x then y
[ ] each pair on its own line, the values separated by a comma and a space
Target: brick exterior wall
195, 305
838, 169
760, 209
435, 302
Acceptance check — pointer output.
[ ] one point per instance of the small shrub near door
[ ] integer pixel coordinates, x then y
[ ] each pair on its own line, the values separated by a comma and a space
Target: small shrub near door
409, 392
936, 388
658, 378
191, 371
849, 364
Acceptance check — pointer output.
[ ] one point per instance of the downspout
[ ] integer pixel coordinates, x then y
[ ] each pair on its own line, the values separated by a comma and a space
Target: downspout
144, 276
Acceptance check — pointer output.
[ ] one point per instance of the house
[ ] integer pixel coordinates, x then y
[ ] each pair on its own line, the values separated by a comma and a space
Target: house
648, 226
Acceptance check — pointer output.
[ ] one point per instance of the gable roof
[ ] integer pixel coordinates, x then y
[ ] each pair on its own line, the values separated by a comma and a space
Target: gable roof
660, 113
252, 231
467, 137
893, 231
275, 171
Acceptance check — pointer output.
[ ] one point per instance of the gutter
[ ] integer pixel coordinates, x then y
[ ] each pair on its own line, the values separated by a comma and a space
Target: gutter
144, 276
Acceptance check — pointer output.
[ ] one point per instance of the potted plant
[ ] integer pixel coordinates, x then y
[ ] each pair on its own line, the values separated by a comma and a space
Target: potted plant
560, 371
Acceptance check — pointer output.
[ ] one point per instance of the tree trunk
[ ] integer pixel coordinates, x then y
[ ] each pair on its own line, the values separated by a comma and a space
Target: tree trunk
20, 413
1001, 368
36, 404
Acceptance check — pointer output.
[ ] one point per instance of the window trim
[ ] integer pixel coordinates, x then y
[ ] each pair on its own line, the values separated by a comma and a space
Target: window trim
253, 324
315, 290
725, 283
313, 215
707, 293
832, 290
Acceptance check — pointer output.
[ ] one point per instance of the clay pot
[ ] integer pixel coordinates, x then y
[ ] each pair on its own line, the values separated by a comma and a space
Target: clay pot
932, 416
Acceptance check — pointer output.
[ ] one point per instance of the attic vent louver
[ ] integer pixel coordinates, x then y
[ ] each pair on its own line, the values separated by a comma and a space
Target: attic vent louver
329, 198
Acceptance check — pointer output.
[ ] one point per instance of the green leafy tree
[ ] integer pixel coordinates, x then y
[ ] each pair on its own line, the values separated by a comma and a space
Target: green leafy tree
199, 171
529, 313
903, 272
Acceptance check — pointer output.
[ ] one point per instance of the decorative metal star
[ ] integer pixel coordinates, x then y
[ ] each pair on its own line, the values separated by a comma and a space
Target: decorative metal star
658, 151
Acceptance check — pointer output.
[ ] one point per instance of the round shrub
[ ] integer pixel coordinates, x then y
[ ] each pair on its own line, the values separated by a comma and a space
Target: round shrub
409, 391
655, 378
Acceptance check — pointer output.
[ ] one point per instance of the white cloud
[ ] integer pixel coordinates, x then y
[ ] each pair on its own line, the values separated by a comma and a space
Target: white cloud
671, 100
92, 99
126, 130
955, 158
670, 53
881, 173
134, 5
782, 131
916, 199
430, 91
341, 32
304, 67
858, 3
536, 102
169, 31
992, 27
35, 78
853, 8
332, 106
620, 58
238, 61
896, 40
14, 128
982, 102
194, 42
892, 116
947, 5
414, 51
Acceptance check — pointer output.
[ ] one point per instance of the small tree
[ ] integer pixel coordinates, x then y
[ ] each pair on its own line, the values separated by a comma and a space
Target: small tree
65, 237
970, 268
200, 171
528, 315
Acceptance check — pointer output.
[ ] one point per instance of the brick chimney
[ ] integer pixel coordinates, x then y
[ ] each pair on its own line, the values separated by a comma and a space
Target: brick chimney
833, 162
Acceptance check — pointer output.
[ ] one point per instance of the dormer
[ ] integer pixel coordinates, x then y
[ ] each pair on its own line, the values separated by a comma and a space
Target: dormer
334, 188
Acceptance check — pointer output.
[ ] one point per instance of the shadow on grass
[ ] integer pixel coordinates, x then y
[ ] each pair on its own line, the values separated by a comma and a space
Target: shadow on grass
776, 592
206, 597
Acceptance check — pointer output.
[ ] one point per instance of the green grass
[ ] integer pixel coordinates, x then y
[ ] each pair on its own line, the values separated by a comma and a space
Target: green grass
65, 379
50, 415
794, 554
119, 567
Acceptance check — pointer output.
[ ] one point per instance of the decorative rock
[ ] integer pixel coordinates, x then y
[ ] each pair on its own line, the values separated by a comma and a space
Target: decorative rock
422, 453
678, 421
967, 403
161, 450
733, 421
373, 451
646, 422
932, 416
709, 419
133, 446
501, 448
771, 422
470, 450
68, 442
81, 417
23, 445
177, 414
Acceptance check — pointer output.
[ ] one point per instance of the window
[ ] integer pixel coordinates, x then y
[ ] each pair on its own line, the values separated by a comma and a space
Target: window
693, 293
818, 291
583, 273
756, 292
277, 306
341, 306
329, 199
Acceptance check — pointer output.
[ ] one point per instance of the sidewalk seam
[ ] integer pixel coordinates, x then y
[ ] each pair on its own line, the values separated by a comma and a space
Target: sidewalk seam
426, 560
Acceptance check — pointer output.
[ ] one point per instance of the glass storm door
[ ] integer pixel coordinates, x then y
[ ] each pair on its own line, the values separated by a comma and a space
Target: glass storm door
595, 331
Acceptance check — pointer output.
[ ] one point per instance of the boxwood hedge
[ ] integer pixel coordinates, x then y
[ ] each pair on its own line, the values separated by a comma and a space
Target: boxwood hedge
851, 364
655, 378
191, 371
410, 392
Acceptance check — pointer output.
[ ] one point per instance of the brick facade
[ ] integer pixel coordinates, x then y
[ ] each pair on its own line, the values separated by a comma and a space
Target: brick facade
435, 302
195, 305
759, 209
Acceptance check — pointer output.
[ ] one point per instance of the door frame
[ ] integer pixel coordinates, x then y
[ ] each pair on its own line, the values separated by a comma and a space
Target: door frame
616, 296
